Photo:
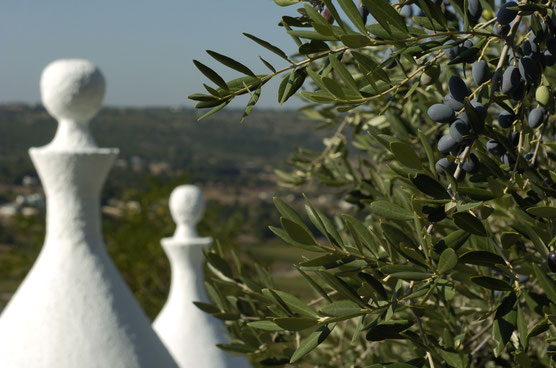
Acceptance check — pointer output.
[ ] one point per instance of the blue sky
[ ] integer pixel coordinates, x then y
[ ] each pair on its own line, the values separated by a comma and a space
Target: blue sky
144, 48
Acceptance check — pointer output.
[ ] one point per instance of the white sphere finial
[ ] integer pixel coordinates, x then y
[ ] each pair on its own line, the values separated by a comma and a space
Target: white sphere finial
72, 89
187, 207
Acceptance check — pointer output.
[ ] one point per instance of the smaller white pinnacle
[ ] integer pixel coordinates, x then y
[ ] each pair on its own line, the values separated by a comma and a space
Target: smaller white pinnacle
187, 207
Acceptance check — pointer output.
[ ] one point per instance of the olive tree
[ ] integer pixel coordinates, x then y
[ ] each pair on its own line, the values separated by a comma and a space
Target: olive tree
440, 118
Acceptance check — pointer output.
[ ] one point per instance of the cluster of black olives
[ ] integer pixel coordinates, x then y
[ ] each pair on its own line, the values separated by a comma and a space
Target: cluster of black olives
521, 77
461, 131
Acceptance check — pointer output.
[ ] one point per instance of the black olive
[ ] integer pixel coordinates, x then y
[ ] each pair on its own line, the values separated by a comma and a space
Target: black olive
551, 261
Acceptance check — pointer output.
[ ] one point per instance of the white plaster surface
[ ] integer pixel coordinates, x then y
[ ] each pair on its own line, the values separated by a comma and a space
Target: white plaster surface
72, 91
73, 309
189, 333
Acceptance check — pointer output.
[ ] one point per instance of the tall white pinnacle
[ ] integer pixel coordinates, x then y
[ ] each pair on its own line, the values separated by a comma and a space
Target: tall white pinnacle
73, 309
190, 334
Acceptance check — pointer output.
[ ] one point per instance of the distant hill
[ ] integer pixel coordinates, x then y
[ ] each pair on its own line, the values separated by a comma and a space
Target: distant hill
215, 147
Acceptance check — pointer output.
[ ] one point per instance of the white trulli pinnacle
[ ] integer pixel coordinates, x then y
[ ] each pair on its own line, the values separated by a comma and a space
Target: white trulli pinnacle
190, 334
187, 208
73, 309
72, 91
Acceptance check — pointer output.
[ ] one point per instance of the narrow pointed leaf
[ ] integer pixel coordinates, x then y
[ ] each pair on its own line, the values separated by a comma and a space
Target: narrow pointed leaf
311, 342
265, 326
491, 283
386, 15
296, 323
252, 101
549, 212
430, 186
343, 73
406, 155
388, 330
448, 260
296, 232
546, 283
341, 308
469, 223
481, 258
295, 304
268, 45
211, 74
231, 63
336, 15
268, 65
215, 110
353, 14
391, 211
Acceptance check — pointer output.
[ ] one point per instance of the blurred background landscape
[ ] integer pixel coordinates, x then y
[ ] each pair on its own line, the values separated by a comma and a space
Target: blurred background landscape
145, 51
160, 148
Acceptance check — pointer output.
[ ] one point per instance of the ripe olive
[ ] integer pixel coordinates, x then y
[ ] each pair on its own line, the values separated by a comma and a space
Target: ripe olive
446, 144
495, 147
458, 88
453, 103
440, 113
513, 137
471, 164
450, 166
480, 72
551, 261
460, 130
530, 47
551, 44
452, 52
505, 16
536, 117
506, 119
475, 9
479, 108
507, 159
548, 58
529, 69
510, 79
501, 30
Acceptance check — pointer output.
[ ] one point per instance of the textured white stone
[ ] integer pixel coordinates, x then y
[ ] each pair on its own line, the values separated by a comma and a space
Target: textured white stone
189, 333
72, 91
73, 309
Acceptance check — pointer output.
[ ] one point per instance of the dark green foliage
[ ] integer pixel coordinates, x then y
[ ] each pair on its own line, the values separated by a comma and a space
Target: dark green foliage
436, 262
